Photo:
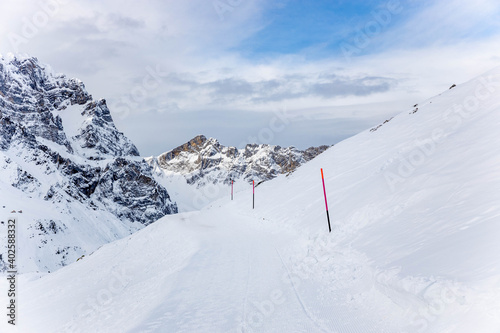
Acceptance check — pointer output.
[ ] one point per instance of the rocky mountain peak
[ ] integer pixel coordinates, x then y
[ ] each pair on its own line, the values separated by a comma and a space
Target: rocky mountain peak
202, 161
194, 145
60, 149
34, 103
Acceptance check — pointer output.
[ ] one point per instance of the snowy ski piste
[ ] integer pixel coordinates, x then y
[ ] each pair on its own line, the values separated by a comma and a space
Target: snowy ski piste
414, 207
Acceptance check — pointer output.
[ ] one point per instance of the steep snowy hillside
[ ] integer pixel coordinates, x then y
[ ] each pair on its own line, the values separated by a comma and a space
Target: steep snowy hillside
414, 245
199, 171
77, 180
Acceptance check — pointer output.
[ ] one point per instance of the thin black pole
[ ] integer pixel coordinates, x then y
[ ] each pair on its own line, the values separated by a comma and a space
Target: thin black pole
253, 197
231, 189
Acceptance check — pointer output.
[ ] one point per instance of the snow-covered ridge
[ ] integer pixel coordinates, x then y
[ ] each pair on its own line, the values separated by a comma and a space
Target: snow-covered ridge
200, 157
204, 161
59, 148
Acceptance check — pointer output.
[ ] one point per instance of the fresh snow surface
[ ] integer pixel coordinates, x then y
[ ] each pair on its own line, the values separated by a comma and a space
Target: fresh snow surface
415, 210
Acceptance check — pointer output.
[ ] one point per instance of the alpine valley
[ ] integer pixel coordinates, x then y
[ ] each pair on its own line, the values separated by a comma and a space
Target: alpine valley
75, 182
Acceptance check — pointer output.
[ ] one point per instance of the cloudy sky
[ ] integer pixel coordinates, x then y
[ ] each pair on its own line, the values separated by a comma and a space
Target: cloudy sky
287, 72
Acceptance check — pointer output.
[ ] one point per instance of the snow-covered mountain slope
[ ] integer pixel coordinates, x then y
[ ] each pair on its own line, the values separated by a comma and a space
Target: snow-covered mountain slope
414, 246
199, 171
78, 181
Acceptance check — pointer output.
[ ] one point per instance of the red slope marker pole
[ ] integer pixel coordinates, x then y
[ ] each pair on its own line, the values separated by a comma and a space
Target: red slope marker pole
253, 198
326, 202
231, 189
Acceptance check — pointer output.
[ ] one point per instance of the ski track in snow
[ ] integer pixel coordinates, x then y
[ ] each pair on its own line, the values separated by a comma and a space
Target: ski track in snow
311, 317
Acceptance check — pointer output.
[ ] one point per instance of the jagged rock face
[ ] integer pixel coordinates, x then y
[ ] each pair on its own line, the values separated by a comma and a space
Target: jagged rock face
27, 97
123, 177
99, 132
203, 161
32, 105
60, 145
31, 100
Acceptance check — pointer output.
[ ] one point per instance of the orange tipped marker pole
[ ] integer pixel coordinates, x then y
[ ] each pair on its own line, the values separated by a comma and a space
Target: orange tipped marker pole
326, 202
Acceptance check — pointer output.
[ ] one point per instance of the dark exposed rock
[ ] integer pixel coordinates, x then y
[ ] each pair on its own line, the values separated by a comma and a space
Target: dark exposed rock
96, 165
121, 179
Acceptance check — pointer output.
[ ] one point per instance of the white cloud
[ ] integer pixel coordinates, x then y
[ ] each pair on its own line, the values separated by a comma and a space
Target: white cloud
114, 46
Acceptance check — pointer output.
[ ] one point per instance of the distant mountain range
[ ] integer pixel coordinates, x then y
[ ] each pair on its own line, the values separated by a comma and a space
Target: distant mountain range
206, 165
203, 160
